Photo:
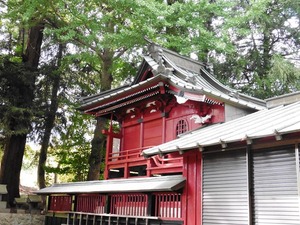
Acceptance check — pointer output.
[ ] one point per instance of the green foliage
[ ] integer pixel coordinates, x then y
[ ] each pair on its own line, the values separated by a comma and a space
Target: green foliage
124, 69
196, 27
284, 76
104, 25
30, 159
259, 30
15, 83
70, 151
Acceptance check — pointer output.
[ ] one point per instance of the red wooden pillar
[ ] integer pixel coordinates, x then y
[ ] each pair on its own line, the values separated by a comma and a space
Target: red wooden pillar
141, 141
164, 129
192, 194
109, 146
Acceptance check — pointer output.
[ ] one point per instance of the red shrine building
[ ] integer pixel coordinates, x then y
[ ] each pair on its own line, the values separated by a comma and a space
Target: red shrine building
184, 149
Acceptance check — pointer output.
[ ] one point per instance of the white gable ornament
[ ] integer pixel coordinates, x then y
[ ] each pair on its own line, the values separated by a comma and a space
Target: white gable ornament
200, 119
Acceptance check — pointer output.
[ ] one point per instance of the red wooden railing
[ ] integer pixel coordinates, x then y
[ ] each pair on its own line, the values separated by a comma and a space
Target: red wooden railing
127, 155
168, 164
168, 205
129, 204
60, 203
91, 203
169, 161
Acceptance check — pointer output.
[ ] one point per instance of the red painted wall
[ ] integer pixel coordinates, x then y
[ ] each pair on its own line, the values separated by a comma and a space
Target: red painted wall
154, 122
131, 137
153, 133
144, 130
185, 112
154, 125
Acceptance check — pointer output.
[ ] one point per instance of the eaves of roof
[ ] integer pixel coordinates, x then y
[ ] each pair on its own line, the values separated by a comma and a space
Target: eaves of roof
273, 122
110, 98
205, 83
86, 103
149, 184
217, 95
283, 99
89, 101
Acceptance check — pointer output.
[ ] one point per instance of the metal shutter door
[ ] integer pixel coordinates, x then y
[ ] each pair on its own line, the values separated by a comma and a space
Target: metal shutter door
275, 187
225, 185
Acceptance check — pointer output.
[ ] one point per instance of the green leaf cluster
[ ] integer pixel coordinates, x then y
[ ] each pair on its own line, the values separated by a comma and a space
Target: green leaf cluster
261, 31
15, 89
70, 150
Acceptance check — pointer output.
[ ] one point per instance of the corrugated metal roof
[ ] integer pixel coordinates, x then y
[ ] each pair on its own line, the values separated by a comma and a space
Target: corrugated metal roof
269, 122
149, 184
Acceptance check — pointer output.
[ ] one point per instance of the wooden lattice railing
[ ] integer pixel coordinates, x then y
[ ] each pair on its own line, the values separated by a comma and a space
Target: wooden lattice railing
91, 203
60, 203
129, 204
168, 205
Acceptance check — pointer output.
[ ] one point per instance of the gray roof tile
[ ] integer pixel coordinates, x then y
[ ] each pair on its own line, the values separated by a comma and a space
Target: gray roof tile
186, 74
269, 122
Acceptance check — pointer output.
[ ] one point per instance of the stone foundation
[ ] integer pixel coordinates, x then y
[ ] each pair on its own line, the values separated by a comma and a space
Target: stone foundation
7, 218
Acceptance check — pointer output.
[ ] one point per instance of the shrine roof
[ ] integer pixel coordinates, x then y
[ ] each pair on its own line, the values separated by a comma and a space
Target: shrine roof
148, 184
187, 75
274, 122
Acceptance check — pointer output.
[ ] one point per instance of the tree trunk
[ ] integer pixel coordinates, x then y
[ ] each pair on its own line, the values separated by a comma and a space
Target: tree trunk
98, 147
11, 166
49, 121
15, 144
33, 48
99, 140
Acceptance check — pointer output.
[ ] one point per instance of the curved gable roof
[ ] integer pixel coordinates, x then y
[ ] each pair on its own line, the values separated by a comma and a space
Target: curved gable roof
186, 75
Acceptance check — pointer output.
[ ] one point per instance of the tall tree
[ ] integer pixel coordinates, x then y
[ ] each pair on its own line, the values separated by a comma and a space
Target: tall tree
261, 31
18, 110
49, 117
18, 74
105, 31
194, 27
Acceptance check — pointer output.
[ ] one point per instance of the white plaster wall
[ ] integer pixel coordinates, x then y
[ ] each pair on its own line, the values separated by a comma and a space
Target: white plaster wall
232, 112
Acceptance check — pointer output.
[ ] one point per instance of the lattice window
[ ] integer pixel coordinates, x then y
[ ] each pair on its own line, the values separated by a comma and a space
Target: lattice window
181, 127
